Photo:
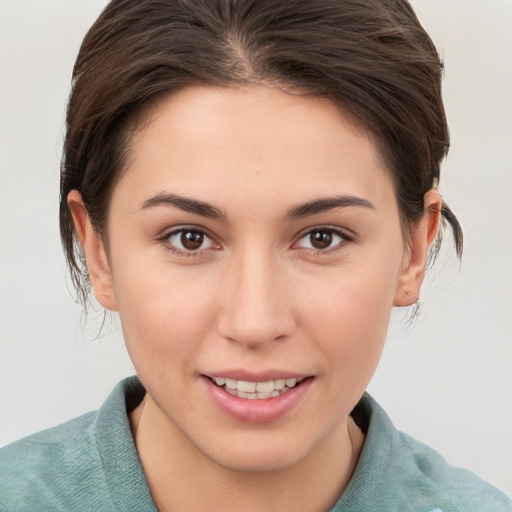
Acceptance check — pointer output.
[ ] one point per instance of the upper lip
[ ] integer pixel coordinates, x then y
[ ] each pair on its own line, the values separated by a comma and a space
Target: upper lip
250, 376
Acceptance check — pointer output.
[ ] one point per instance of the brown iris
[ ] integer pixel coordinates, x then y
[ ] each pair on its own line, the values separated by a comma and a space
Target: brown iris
320, 239
192, 240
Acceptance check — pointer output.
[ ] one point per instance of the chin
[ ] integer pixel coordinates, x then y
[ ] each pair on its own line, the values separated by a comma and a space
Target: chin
257, 461
260, 452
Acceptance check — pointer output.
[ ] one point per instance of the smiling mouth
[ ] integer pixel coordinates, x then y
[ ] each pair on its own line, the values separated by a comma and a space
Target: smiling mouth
256, 390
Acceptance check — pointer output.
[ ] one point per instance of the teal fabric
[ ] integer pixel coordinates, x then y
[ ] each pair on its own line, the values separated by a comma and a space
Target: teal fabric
397, 473
91, 464
88, 464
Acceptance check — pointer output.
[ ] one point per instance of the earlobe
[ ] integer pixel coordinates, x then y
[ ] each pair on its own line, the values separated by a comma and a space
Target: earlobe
95, 253
415, 261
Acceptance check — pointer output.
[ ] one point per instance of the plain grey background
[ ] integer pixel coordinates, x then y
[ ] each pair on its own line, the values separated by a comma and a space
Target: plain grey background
446, 380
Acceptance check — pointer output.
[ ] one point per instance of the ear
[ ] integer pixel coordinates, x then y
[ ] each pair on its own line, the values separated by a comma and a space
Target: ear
95, 253
415, 261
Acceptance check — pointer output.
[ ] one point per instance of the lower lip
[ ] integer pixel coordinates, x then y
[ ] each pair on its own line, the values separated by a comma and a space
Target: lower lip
263, 410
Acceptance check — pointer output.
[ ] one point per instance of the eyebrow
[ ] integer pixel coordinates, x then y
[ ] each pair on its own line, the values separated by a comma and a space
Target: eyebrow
204, 209
186, 204
325, 204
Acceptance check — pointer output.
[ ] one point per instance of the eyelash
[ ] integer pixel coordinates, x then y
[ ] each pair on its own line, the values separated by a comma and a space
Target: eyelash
165, 240
344, 239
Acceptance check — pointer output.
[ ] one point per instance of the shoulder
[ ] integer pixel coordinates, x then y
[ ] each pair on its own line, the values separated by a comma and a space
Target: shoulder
45, 466
89, 463
397, 472
451, 488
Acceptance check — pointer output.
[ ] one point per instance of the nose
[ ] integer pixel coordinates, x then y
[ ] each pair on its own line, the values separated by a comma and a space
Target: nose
257, 306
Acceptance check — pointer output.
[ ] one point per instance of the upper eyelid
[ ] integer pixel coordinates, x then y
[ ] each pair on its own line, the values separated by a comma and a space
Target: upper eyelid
343, 232
165, 233
345, 239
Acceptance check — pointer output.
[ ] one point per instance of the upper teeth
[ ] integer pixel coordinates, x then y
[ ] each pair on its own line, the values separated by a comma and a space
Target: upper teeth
257, 387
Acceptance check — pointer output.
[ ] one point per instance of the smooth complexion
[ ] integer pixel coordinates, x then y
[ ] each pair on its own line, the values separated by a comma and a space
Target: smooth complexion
253, 235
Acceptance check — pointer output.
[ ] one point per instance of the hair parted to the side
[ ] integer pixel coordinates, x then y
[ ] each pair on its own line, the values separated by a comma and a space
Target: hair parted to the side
372, 58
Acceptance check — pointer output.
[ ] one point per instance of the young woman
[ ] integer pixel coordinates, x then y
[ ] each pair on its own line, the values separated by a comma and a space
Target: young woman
252, 185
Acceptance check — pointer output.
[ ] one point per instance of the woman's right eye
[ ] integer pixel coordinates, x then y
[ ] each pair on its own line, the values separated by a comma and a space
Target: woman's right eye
189, 240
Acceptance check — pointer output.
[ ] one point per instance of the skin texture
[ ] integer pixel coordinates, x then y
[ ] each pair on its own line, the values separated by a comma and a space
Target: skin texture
256, 296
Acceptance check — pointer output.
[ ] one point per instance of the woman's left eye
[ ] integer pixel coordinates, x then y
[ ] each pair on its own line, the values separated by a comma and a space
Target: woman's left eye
322, 239
189, 240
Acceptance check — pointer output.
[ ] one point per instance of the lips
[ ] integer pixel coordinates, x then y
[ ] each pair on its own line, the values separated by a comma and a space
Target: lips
264, 403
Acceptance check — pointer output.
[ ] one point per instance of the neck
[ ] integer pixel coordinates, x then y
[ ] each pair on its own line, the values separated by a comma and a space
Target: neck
175, 469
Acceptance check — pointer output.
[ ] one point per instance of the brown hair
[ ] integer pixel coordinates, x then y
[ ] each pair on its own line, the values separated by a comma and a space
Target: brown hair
372, 58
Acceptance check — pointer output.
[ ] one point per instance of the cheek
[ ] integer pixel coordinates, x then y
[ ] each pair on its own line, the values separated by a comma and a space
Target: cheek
165, 314
356, 299
348, 316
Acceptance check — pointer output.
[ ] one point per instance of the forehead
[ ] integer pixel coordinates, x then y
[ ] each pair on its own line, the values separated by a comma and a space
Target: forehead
249, 141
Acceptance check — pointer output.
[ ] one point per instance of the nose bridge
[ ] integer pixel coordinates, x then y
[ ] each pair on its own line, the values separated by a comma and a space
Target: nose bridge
256, 309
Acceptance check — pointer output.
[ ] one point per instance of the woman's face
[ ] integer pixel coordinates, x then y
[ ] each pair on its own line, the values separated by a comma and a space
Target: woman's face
254, 239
